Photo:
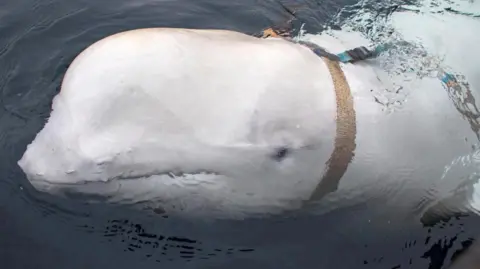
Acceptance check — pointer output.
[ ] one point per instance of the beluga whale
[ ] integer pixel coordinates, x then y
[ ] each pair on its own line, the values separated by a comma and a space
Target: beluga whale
221, 123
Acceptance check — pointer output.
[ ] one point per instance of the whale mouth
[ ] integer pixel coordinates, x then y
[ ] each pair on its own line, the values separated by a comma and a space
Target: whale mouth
91, 190
101, 191
173, 173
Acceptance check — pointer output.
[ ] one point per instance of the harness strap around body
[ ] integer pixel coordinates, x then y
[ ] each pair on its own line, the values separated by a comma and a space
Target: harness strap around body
345, 120
346, 129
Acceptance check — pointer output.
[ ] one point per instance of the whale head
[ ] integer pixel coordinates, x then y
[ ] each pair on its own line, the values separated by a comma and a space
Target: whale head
71, 158
123, 139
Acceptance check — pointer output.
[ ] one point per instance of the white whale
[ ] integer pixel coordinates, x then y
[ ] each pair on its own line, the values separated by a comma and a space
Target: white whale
219, 122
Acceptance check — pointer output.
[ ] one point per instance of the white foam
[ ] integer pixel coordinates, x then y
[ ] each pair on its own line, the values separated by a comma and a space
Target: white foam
475, 202
452, 37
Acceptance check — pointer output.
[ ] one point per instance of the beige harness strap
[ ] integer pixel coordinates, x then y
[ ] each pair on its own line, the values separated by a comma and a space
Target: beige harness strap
346, 129
345, 133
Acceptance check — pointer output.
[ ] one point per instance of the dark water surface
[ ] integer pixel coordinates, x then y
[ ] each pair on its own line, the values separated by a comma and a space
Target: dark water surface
38, 40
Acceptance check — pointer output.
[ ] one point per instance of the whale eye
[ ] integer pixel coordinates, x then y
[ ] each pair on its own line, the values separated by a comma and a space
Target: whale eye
280, 153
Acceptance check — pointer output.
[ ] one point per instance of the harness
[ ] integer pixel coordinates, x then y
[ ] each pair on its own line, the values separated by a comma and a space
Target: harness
346, 131
346, 127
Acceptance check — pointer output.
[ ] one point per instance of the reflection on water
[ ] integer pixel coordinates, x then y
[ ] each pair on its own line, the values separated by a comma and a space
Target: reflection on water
159, 247
464, 101
39, 39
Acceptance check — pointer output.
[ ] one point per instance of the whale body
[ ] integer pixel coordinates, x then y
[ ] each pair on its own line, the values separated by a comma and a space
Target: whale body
220, 122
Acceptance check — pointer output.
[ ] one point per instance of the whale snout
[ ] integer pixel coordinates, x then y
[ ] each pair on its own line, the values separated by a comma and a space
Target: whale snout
51, 169
47, 161
39, 168
36, 172
34, 166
